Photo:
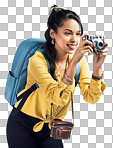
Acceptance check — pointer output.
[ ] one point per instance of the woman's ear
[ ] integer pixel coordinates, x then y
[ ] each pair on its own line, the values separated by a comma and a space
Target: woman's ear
52, 33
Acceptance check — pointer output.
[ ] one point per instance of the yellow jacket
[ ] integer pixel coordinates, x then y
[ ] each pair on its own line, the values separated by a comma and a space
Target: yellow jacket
39, 102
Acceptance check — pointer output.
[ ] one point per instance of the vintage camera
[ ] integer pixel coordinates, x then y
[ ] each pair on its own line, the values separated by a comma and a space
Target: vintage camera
97, 41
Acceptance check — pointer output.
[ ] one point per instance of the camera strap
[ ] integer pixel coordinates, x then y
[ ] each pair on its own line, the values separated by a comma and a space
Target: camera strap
71, 107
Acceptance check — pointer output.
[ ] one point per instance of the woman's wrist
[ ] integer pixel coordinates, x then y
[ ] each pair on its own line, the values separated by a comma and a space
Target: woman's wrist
69, 74
97, 72
96, 77
67, 80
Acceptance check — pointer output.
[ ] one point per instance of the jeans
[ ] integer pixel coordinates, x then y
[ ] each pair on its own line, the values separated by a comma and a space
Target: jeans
20, 133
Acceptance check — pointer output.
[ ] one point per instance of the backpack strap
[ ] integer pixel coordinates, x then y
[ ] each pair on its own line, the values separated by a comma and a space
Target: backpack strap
25, 95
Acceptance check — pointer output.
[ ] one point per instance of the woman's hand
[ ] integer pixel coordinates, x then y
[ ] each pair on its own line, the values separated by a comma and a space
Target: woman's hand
98, 60
98, 57
83, 47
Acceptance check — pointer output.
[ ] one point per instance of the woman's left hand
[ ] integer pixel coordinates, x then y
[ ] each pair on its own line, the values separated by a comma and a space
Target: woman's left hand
98, 60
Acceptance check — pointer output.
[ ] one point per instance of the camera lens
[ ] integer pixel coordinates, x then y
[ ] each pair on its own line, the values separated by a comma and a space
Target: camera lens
100, 44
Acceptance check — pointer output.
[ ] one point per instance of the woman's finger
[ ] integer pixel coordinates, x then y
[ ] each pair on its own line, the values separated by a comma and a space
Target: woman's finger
81, 38
88, 47
86, 42
103, 55
104, 51
105, 45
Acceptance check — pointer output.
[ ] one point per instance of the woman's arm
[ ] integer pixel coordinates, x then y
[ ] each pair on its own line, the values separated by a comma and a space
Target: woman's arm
91, 89
57, 92
79, 53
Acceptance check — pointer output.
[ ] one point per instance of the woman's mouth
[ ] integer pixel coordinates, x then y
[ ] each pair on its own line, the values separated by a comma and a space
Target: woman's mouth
71, 46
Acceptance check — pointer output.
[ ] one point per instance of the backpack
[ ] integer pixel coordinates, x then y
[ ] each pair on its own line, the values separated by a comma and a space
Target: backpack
17, 77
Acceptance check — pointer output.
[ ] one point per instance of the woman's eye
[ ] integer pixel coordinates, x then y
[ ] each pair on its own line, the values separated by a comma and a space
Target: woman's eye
78, 34
67, 33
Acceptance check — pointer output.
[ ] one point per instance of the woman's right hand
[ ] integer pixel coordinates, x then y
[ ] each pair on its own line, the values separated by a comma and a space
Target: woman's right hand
83, 47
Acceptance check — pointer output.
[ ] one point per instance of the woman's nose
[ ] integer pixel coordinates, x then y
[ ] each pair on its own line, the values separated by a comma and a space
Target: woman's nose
74, 39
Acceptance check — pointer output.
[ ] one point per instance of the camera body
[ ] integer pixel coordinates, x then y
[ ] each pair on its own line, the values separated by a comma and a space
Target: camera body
97, 41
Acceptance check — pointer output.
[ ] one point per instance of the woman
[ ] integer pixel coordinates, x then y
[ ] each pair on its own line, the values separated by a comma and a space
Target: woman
31, 127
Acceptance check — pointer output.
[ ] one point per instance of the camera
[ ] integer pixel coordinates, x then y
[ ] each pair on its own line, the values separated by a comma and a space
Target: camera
97, 41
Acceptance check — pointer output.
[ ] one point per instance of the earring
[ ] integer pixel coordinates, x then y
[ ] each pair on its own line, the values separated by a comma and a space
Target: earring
53, 42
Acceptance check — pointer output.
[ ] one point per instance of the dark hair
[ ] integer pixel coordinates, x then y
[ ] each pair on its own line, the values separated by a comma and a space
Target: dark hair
56, 18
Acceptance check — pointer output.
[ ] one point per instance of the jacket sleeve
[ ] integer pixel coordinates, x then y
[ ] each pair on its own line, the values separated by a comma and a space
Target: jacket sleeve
57, 92
91, 89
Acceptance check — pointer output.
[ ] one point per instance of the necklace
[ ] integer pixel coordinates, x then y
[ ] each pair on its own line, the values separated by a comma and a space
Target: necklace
60, 67
63, 66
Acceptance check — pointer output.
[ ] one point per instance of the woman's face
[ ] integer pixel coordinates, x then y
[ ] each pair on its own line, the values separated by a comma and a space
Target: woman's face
67, 37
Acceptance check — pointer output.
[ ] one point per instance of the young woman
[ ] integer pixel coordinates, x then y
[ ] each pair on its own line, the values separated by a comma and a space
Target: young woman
31, 127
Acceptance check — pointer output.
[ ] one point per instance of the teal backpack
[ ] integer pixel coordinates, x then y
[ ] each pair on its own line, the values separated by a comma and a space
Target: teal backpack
17, 77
